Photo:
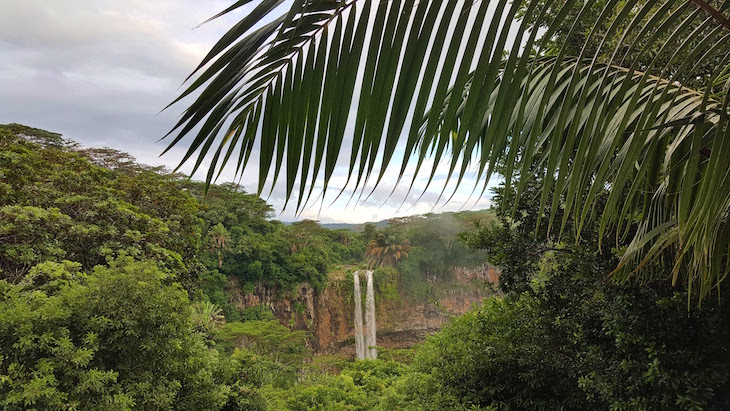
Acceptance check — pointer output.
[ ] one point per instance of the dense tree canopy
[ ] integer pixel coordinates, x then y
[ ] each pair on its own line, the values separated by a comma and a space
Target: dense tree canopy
101, 260
118, 337
565, 336
57, 205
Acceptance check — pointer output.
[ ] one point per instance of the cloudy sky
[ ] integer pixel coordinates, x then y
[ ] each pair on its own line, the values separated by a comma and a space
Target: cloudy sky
100, 71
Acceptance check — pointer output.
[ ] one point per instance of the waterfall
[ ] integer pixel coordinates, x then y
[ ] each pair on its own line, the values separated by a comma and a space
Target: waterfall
372, 352
359, 337
365, 344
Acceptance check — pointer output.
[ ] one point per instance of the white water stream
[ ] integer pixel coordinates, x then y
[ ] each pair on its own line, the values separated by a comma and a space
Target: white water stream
365, 340
359, 337
371, 351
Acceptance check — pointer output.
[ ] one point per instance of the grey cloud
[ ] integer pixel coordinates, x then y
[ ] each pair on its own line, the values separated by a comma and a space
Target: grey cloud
99, 72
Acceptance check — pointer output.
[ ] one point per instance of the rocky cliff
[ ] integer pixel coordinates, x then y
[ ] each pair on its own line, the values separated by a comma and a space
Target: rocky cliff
402, 320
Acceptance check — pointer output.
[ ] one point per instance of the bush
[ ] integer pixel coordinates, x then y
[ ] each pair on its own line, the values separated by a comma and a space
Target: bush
577, 345
117, 338
360, 387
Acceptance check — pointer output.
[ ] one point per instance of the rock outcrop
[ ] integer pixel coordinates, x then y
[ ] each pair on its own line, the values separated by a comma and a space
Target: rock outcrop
402, 321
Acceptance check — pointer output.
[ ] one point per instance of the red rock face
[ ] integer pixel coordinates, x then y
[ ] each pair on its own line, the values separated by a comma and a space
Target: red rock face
328, 314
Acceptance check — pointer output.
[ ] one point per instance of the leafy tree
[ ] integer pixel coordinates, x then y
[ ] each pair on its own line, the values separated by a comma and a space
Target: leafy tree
245, 372
369, 231
285, 350
347, 246
436, 249
361, 385
244, 243
577, 345
117, 160
304, 234
230, 205
119, 337
56, 205
585, 95
35, 135
511, 242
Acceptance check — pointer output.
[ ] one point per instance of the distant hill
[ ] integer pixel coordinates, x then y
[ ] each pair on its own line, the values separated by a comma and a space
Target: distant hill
354, 227
469, 215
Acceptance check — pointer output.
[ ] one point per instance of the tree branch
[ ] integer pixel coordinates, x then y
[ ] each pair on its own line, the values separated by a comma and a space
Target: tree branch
712, 12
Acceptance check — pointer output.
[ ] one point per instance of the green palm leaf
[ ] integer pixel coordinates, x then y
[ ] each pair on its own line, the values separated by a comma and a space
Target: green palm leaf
624, 112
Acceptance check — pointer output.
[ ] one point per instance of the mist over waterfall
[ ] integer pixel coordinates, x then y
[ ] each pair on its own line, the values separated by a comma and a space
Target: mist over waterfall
359, 337
365, 345
372, 352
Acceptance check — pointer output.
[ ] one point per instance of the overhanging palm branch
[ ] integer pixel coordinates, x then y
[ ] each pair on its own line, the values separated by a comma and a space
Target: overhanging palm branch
618, 116
643, 139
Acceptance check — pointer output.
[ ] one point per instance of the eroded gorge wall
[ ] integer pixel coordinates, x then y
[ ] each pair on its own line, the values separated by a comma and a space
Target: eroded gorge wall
402, 320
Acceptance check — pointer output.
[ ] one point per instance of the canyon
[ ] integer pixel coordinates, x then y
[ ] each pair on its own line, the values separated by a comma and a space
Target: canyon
402, 319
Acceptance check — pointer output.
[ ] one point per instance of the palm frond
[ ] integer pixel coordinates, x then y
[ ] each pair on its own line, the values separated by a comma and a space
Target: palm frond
467, 81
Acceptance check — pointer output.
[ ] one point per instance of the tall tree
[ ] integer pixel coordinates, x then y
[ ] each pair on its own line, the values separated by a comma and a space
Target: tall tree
219, 237
622, 108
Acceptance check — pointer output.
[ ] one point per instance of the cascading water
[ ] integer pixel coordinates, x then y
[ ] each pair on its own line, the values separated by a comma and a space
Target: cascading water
359, 337
365, 344
371, 351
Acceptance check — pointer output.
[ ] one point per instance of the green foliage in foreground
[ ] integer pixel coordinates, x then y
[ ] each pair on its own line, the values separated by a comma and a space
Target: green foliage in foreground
571, 345
566, 336
360, 386
117, 338
578, 346
99, 266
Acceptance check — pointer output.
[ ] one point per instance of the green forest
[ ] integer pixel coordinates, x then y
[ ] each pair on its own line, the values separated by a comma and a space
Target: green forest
113, 296
115, 274
605, 123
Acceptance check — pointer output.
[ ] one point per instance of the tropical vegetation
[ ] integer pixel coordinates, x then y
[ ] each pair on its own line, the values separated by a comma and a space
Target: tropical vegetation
583, 95
122, 285
386, 250
118, 282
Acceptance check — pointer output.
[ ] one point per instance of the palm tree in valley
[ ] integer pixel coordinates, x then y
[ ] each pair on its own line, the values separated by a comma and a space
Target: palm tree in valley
219, 237
626, 99
386, 250
207, 316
